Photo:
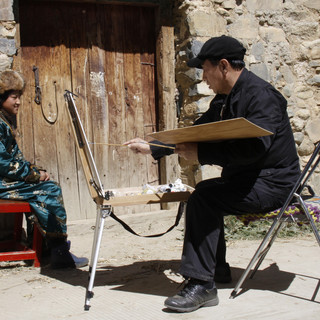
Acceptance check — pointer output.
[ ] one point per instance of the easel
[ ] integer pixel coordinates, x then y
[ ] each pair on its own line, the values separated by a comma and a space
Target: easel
103, 199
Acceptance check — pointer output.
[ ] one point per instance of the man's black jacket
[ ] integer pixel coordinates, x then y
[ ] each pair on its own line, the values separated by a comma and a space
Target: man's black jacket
272, 158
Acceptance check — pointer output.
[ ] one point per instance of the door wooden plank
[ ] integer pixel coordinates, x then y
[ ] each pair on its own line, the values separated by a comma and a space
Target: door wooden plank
79, 57
40, 57
132, 85
45, 136
117, 157
99, 96
137, 165
148, 67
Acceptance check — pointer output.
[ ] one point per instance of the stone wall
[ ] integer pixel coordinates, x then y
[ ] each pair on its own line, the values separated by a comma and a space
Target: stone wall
8, 46
283, 47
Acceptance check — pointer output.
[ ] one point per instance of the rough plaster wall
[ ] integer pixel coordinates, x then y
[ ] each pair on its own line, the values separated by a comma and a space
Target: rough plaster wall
283, 47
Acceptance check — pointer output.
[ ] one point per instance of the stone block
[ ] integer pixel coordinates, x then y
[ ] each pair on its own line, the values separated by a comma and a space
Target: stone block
314, 63
315, 51
261, 70
289, 110
7, 32
304, 28
314, 80
203, 89
262, 5
245, 27
6, 12
287, 74
303, 92
250, 60
8, 46
315, 182
195, 47
288, 90
229, 4
200, 89
305, 95
298, 137
223, 12
257, 50
189, 110
311, 49
203, 104
312, 129
303, 114
297, 124
5, 62
306, 147
194, 74
203, 24
238, 10
272, 34
312, 4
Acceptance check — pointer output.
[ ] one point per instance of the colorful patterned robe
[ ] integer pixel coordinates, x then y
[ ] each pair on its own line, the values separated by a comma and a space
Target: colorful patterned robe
19, 180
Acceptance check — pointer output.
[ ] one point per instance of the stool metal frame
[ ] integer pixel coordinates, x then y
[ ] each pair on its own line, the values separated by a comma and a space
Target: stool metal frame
295, 195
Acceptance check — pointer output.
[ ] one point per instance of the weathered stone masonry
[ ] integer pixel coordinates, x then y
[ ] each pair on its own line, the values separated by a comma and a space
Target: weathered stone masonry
283, 47
8, 46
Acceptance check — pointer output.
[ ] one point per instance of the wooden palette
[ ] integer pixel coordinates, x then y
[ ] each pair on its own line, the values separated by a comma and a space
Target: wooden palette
238, 128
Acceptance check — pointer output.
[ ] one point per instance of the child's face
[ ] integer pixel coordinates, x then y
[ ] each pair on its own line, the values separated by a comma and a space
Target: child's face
12, 104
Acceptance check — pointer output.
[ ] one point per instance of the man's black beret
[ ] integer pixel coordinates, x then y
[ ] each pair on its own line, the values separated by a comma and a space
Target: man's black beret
217, 48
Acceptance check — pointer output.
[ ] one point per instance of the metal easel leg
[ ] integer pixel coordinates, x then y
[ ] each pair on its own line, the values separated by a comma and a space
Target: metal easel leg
102, 213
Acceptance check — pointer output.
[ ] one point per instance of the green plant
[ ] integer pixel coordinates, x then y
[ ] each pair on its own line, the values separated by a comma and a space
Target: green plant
236, 230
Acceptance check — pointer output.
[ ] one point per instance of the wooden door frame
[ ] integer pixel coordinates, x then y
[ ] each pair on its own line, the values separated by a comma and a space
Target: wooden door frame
165, 70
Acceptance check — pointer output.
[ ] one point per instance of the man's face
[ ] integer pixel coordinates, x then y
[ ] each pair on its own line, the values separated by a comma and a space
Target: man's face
213, 76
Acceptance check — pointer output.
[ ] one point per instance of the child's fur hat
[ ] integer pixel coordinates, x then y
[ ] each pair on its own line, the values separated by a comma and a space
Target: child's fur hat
11, 80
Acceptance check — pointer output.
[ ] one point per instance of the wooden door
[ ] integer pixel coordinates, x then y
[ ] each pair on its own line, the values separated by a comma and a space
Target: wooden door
106, 55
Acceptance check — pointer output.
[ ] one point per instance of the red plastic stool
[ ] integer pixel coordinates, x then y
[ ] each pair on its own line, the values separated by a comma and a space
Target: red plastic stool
14, 250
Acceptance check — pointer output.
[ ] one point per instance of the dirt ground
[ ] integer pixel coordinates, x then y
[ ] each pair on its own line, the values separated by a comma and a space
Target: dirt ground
135, 275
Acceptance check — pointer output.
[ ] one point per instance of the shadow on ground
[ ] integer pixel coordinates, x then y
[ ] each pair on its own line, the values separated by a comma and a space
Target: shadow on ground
159, 277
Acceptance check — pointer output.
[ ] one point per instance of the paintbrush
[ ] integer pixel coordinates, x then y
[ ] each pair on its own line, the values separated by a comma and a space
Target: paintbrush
124, 145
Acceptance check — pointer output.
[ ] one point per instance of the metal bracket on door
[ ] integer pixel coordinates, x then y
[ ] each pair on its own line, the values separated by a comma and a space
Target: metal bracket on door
37, 98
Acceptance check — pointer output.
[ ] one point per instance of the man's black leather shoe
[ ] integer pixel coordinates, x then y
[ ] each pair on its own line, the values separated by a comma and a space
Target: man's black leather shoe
192, 297
223, 273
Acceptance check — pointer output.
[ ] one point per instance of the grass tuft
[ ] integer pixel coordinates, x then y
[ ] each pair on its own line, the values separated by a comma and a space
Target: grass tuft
236, 230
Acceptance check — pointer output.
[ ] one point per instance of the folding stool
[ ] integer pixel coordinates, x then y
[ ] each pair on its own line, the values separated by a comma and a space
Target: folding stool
295, 205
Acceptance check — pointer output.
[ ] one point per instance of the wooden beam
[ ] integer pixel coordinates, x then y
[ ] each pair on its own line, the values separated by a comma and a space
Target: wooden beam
169, 166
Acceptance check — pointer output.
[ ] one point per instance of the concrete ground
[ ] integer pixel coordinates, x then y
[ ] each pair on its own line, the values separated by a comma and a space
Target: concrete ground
135, 275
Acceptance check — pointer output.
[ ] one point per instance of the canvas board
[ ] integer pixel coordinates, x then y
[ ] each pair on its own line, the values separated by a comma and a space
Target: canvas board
238, 128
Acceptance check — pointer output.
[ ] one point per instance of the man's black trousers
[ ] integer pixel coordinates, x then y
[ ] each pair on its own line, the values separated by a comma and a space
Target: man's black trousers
204, 243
